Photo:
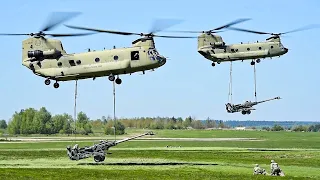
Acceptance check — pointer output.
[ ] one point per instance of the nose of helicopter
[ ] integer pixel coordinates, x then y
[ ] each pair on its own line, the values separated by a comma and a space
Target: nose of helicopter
286, 50
162, 60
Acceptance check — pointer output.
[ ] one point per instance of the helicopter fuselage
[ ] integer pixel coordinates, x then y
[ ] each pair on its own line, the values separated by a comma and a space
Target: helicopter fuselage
213, 48
52, 62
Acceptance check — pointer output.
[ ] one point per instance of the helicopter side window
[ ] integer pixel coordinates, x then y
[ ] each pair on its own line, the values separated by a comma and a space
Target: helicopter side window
134, 55
72, 63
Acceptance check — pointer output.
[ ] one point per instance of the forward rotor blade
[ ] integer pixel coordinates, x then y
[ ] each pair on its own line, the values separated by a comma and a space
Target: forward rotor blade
104, 31
311, 26
173, 36
161, 24
246, 30
64, 35
56, 18
231, 23
16, 34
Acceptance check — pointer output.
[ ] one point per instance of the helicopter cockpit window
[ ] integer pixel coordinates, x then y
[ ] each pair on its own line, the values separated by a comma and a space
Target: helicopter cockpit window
134, 55
72, 63
61, 47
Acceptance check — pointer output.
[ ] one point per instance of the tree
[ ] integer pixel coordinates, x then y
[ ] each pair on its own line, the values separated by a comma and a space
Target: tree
197, 124
104, 120
210, 123
300, 128
109, 128
277, 128
83, 123
314, 128
187, 122
266, 128
3, 124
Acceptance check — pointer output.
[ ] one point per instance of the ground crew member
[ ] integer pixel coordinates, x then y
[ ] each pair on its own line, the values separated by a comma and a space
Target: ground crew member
258, 170
275, 169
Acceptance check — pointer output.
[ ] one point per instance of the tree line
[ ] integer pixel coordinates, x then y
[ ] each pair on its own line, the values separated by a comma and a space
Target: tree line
32, 121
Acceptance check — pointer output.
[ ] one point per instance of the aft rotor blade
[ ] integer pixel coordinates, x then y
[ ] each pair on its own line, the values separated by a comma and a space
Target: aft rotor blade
161, 24
231, 23
104, 31
57, 18
64, 35
246, 30
311, 26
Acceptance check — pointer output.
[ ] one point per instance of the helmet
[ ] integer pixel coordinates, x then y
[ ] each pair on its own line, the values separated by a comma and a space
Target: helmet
272, 161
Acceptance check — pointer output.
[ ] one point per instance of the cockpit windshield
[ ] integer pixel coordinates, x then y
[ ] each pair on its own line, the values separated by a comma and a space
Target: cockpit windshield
153, 52
154, 55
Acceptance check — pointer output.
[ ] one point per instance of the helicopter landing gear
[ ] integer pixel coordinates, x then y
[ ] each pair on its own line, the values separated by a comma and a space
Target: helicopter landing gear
218, 62
56, 85
118, 80
111, 77
252, 63
213, 64
249, 112
47, 82
258, 60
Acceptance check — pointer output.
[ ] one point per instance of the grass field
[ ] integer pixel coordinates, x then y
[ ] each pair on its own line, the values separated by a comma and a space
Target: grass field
192, 154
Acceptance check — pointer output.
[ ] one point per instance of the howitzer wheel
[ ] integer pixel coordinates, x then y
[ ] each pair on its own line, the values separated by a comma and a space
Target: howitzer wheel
99, 158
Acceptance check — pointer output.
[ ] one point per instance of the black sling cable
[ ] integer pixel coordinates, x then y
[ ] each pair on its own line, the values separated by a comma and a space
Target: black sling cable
230, 84
255, 82
75, 110
114, 109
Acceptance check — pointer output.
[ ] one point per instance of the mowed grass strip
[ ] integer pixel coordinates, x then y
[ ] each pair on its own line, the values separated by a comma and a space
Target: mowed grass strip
175, 173
286, 158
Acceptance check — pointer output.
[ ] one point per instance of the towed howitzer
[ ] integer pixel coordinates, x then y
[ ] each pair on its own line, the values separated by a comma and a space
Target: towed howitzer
98, 151
246, 107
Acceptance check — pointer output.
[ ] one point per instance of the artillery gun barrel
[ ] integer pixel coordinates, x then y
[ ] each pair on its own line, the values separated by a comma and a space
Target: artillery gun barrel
267, 100
134, 137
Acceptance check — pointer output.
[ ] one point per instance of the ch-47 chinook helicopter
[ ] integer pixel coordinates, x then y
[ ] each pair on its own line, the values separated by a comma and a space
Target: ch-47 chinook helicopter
47, 57
212, 47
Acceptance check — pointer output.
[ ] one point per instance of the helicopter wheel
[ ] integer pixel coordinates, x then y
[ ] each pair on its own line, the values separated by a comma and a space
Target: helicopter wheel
213, 64
252, 63
218, 62
118, 81
249, 112
56, 85
258, 60
47, 81
243, 112
111, 77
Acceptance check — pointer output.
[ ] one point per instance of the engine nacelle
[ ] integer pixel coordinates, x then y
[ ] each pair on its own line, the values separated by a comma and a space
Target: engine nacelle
218, 44
38, 54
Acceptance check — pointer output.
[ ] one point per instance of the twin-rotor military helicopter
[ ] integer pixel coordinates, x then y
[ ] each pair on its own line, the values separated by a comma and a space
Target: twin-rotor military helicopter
47, 57
212, 46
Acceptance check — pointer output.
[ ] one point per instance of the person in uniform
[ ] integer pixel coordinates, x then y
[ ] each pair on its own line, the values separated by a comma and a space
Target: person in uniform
275, 169
258, 170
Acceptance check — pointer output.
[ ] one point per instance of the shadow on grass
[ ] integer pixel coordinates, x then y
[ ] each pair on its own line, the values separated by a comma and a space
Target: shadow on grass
148, 164
251, 149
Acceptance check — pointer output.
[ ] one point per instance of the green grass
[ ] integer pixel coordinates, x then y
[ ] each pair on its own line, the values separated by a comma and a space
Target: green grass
300, 158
